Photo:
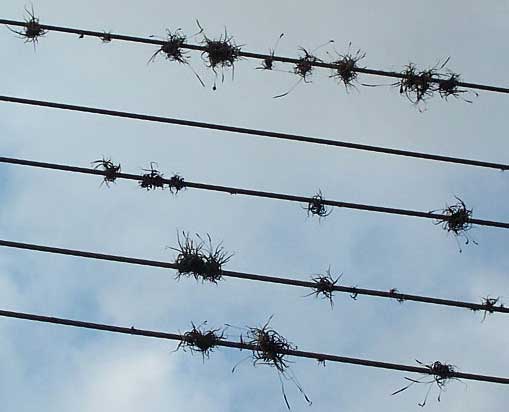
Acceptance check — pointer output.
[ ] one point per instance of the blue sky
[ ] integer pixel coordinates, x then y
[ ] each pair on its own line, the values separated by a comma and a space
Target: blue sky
54, 368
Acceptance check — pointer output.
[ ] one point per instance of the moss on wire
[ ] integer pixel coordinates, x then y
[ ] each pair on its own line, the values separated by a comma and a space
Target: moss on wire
111, 170
220, 54
456, 220
317, 207
270, 348
201, 340
153, 179
32, 30
346, 67
441, 373
200, 260
324, 286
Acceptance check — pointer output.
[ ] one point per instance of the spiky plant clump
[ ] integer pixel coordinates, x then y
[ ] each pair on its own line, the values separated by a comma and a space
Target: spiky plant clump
317, 206
32, 30
172, 47
416, 85
270, 347
176, 184
488, 304
346, 68
324, 286
304, 67
111, 170
442, 373
153, 179
199, 260
457, 219
200, 340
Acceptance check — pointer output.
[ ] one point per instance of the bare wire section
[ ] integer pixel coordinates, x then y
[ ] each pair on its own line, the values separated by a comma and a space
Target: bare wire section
200, 260
324, 286
457, 219
220, 53
317, 207
270, 349
346, 67
111, 170
153, 179
32, 29
200, 340
442, 374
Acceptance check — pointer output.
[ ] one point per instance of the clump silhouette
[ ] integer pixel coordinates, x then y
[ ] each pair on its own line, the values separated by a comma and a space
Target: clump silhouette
346, 67
268, 62
317, 206
270, 348
324, 286
111, 170
220, 54
176, 183
32, 30
456, 219
200, 340
199, 260
442, 373
153, 179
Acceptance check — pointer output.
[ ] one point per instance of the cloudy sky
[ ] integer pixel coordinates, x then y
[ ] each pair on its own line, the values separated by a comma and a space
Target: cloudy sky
54, 368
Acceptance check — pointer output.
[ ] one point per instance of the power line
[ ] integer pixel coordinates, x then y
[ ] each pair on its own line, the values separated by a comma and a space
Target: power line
257, 193
254, 132
258, 56
261, 278
242, 345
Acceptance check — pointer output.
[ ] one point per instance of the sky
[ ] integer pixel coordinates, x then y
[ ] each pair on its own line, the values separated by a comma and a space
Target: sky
55, 368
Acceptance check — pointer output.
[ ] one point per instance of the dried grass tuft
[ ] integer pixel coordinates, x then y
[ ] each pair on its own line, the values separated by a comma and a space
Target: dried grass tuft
199, 260
200, 340
111, 170
32, 30
442, 374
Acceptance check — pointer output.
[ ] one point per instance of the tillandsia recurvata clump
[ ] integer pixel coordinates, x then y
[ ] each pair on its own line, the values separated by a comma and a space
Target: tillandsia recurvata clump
176, 183
346, 67
317, 206
110, 170
220, 54
489, 303
456, 219
324, 286
106, 37
32, 29
173, 50
271, 348
419, 85
442, 373
394, 293
153, 179
200, 259
304, 67
268, 62
201, 340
